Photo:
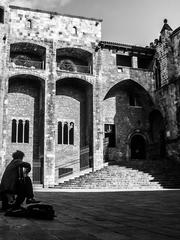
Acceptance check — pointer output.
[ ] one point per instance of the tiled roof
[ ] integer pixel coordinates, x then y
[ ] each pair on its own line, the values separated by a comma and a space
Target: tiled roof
105, 44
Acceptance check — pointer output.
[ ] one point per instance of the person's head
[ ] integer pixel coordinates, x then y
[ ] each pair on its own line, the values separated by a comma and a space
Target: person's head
18, 155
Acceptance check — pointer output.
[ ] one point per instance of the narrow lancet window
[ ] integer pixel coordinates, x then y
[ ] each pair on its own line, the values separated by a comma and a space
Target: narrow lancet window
26, 132
20, 131
14, 131
71, 134
59, 132
65, 134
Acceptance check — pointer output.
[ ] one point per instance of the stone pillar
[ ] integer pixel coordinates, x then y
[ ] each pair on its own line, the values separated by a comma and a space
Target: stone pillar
98, 118
4, 76
134, 62
49, 146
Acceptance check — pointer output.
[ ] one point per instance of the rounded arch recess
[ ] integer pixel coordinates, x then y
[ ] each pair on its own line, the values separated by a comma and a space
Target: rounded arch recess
133, 88
26, 101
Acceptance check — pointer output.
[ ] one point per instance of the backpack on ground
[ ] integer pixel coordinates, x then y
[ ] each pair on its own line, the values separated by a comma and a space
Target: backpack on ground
40, 211
36, 211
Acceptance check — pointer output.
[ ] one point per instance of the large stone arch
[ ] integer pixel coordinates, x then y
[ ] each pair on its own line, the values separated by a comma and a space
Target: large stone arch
126, 107
30, 41
60, 45
130, 85
23, 73
73, 107
82, 77
25, 120
123, 80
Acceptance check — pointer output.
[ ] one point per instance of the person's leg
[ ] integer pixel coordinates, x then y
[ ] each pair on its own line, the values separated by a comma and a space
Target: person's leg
28, 187
29, 191
21, 194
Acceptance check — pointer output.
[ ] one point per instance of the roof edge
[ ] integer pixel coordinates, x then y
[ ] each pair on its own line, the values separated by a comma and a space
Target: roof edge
54, 13
175, 31
125, 46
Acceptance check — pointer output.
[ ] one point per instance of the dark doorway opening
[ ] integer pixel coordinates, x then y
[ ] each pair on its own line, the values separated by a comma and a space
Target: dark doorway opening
138, 147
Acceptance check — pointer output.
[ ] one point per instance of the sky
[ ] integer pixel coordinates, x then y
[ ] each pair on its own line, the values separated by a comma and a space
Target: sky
135, 22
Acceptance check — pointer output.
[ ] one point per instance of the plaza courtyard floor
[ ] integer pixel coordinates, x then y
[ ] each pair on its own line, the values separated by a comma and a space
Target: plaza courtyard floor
148, 215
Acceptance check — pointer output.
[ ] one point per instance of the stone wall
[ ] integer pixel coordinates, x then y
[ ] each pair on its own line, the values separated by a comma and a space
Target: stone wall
89, 99
117, 83
167, 97
53, 26
3, 80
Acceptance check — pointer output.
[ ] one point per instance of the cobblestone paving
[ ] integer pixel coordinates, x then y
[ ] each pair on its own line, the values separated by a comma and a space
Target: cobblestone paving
101, 216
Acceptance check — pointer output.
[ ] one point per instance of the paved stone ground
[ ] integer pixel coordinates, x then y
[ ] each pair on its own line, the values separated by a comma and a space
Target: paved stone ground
151, 215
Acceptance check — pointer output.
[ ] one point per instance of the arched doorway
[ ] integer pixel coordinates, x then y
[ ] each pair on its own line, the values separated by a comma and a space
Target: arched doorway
138, 147
26, 108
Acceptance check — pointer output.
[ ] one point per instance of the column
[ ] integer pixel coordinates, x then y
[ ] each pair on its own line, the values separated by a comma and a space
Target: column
49, 142
98, 161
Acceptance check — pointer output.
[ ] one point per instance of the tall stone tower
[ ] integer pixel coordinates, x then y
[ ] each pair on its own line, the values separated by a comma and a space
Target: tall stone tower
4, 52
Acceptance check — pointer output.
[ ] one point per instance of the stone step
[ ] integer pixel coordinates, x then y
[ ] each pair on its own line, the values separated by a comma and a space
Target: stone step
131, 175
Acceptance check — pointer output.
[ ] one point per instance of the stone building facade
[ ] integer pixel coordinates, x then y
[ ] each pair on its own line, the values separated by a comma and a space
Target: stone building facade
70, 101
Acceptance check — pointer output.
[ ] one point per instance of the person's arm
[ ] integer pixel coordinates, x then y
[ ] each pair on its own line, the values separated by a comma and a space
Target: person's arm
19, 163
27, 166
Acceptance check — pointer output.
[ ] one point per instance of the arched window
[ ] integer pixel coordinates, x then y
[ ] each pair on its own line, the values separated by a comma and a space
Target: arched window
65, 133
20, 131
14, 131
1, 15
26, 131
59, 132
29, 23
71, 133
75, 30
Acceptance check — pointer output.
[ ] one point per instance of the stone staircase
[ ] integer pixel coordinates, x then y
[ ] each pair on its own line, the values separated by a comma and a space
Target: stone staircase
132, 175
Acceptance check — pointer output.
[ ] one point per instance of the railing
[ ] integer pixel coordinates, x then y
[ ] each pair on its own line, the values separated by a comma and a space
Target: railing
74, 68
67, 168
65, 171
27, 63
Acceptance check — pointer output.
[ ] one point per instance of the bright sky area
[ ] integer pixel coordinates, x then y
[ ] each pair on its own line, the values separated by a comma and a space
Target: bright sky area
136, 22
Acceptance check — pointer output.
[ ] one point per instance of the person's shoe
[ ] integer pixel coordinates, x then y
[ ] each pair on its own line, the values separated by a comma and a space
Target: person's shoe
32, 200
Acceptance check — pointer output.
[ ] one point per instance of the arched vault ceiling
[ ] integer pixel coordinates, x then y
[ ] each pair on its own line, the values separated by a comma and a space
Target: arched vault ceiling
130, 87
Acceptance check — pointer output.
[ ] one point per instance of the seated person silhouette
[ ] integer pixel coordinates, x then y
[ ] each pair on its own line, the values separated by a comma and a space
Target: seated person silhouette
16, 185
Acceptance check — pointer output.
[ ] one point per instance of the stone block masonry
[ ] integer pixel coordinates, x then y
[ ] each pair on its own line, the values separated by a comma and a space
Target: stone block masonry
79, 94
